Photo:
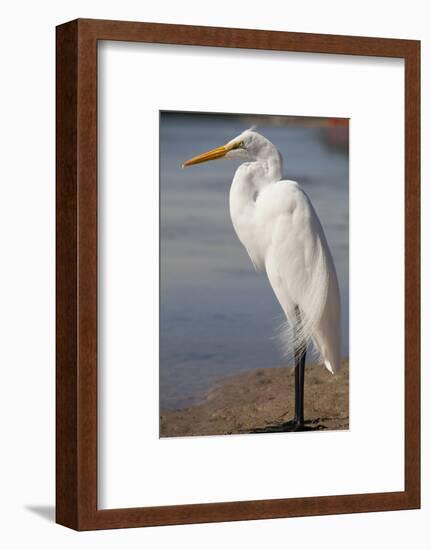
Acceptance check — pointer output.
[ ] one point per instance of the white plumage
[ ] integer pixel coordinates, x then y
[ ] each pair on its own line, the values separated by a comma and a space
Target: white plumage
278, 226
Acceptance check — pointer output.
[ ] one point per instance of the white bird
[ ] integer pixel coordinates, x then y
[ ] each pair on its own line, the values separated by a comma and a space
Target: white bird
278, 226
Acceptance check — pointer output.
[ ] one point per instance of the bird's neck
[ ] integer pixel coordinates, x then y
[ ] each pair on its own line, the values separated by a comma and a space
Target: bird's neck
251, 177
272, 165
249, 181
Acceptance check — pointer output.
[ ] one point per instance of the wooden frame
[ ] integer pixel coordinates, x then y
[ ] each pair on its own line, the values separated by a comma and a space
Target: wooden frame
76, 376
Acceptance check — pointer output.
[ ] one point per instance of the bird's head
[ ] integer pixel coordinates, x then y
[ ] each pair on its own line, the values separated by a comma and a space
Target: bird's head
249, 145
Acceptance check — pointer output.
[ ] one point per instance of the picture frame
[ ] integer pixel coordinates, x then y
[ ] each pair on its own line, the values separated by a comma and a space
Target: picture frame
76, 276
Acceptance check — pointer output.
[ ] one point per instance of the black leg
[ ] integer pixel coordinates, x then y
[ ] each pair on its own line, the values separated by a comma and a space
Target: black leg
297, 424
300, 353
299, 386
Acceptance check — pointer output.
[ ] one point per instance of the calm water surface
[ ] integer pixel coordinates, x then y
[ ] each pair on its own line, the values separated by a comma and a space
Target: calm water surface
217, 315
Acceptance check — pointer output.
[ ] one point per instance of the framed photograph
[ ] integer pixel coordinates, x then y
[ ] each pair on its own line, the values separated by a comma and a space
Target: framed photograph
238, 276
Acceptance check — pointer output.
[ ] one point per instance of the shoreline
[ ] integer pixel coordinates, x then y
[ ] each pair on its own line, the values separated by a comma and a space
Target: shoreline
261, 401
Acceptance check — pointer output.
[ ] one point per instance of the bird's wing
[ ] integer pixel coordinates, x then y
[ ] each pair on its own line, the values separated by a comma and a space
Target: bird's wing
301, 271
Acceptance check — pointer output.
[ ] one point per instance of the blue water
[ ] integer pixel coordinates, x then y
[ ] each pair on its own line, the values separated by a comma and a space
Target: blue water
217, 315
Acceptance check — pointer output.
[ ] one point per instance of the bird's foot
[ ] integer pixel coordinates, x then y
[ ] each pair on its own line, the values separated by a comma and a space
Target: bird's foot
293, 425
290, 426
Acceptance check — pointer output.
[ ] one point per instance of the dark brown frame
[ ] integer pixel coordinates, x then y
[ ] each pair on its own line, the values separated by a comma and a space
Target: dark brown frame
76, 375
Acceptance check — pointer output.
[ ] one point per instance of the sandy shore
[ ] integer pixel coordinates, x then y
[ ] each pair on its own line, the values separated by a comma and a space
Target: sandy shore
262, 400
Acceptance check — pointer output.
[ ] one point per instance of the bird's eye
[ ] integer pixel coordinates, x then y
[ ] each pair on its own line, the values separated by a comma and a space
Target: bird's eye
239, 145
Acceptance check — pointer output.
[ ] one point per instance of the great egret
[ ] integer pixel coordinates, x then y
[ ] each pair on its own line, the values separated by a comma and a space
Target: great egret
278, 226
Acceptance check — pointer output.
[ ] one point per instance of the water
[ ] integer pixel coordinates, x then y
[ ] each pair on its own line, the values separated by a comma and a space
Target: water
217, 315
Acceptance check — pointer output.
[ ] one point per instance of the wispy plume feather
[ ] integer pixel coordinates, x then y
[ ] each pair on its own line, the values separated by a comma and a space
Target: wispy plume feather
295, 334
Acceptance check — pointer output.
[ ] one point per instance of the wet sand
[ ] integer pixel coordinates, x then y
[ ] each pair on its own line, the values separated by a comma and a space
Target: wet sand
262, 400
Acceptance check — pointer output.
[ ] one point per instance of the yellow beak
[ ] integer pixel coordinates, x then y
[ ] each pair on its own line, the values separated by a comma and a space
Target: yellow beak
216, 153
